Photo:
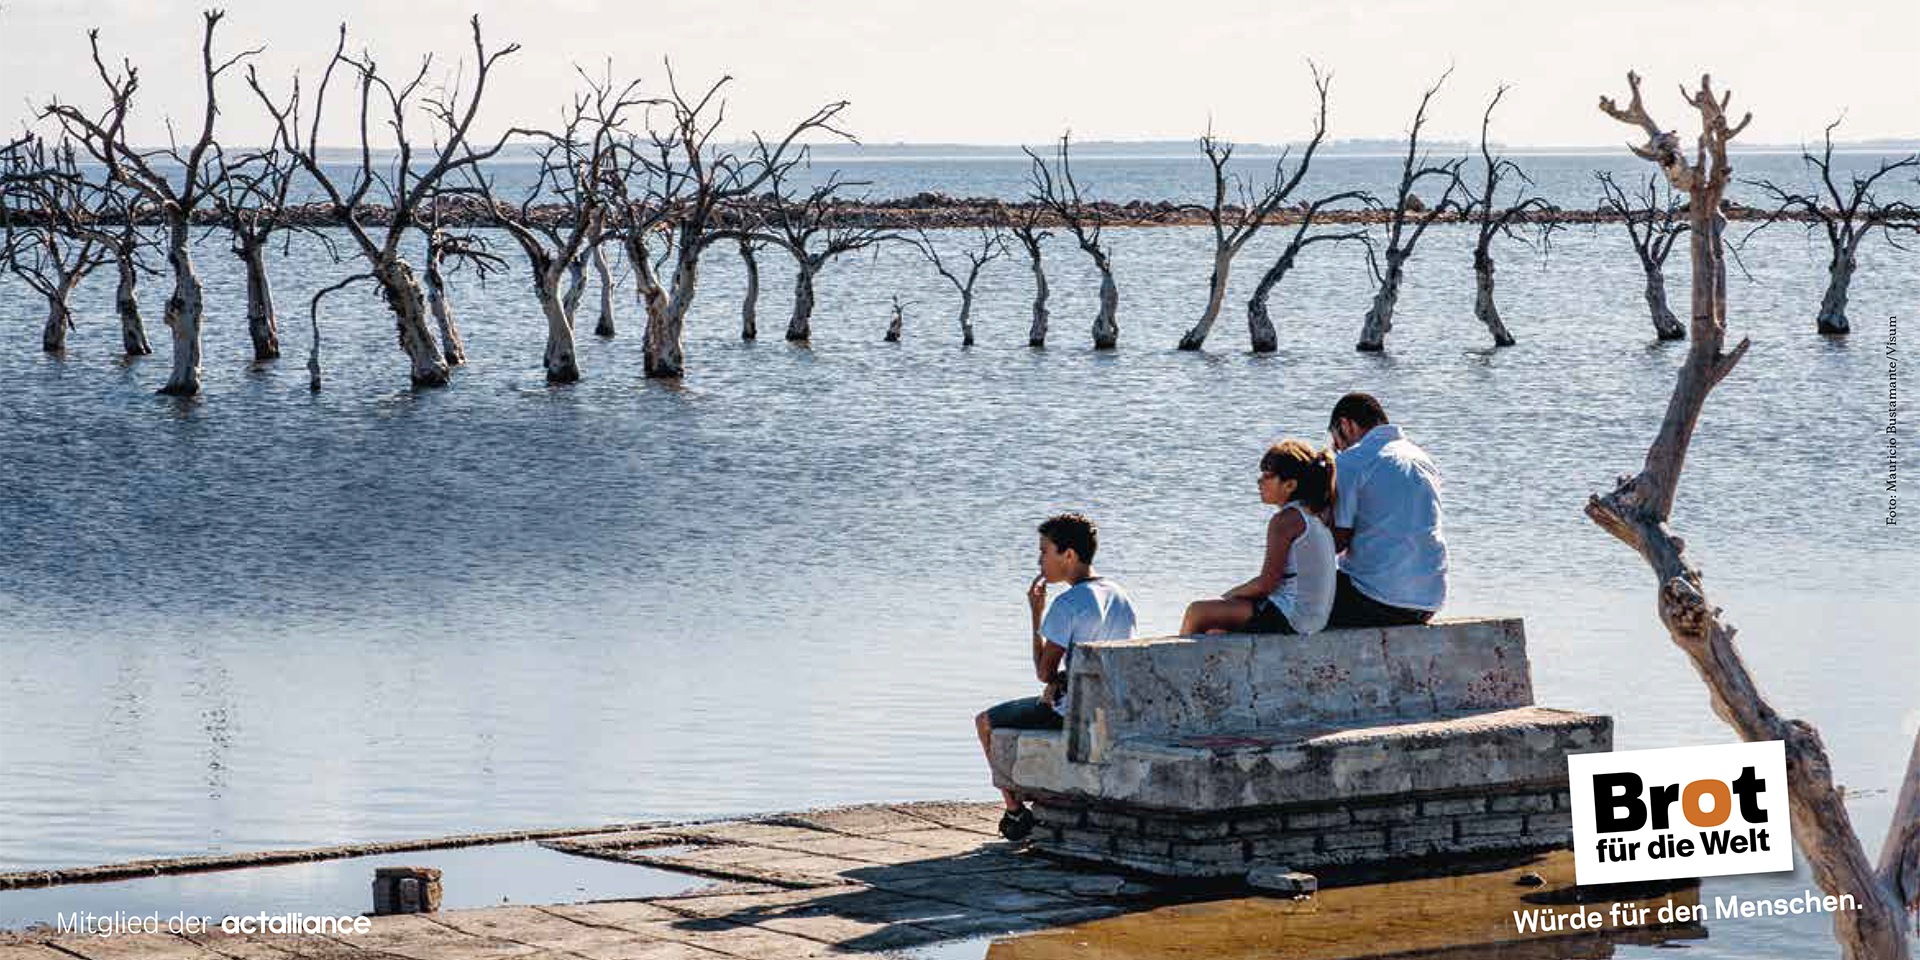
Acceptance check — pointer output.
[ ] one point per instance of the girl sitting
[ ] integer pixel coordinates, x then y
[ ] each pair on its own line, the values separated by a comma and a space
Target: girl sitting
1294, 591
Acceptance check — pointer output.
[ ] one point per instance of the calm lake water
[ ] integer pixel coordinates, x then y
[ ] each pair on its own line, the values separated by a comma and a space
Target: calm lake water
267, 618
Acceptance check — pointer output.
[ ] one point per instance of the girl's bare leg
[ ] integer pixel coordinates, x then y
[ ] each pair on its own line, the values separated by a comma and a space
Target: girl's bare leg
1204, 615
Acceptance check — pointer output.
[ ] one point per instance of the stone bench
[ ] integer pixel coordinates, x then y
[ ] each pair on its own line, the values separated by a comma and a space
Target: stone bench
1209, 757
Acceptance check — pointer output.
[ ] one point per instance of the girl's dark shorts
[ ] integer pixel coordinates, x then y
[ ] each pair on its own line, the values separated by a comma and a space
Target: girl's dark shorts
1267, 618
1026, 713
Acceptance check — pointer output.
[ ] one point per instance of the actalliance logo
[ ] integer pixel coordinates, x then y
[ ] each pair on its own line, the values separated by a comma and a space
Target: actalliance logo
1681, 812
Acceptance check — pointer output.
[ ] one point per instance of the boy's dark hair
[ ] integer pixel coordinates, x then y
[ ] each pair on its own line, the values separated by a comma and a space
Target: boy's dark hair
1361, 408
1311, 470
1072, 531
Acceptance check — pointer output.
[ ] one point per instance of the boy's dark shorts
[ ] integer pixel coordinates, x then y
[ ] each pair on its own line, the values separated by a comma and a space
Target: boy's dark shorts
1026, 713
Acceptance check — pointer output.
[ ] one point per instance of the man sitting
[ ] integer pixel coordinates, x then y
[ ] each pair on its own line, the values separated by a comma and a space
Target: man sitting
1387, 520
1092, 608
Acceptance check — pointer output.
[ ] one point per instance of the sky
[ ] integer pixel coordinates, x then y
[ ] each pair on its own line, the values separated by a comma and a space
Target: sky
994, 71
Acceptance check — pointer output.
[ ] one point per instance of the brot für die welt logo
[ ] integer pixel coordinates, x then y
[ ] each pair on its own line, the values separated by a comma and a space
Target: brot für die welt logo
1680, 812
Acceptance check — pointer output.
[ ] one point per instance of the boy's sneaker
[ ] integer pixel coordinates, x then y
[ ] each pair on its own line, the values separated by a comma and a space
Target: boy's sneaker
1016, 824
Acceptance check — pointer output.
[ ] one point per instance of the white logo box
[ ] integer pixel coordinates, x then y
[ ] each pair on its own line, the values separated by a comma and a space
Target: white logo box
1755, 835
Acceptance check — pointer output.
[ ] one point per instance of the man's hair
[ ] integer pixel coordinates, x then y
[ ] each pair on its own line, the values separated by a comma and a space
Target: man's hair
1072, 531
1312, 471
1361, 408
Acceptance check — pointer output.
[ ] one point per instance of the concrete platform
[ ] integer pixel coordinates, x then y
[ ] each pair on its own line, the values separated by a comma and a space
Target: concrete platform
888, 879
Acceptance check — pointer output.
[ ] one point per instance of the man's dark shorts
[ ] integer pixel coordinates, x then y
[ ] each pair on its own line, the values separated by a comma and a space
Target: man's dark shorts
1351, 608
1026, 713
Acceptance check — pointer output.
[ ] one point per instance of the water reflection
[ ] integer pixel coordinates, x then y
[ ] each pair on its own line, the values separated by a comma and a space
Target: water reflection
1456, 917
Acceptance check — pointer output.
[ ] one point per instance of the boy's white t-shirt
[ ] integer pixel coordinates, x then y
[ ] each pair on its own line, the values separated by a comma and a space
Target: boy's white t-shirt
1093, 609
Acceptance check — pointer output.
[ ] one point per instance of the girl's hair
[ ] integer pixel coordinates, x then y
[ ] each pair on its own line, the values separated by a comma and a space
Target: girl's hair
1311, 470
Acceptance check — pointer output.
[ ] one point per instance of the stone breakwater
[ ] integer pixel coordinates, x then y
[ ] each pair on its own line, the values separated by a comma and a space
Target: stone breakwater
937, 211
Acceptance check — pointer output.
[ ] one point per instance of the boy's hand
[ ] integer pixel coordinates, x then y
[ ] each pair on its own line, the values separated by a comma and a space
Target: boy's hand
1037, 595
1051, 695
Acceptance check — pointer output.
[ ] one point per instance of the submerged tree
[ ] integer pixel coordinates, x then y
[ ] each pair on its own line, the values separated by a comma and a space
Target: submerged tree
252, 202
45, 239
1234, 225
989, 244
750, 298
1493, 219
1025, 227
405, 186
1653, 221
693, 186
1400, 241
898, 321
1855, 213
447, 251
1259, 325
1638, 512
576, 170
1056, 189
175, 182
812, 229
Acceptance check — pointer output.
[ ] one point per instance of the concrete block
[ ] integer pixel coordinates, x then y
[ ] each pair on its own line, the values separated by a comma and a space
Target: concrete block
1261, 826
1521, 803
1386, 813
1342, 839
1276, 878
1143, 846
1173, 829
1318, 819
1284, 847
1452, 806
1110, 820
1210, 851
1490, 824
1559, 825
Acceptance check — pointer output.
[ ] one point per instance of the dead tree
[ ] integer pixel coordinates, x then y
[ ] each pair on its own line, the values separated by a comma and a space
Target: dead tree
252, 202
576, 167
603, 325
44, 215
1494, 219
1025, 227
1400, 241
693, 186
130, 245
448, 250
750, 300
1638, 512
174, 181
989, 244
1259, 325
811, 229
1855, 213
898, 321
1653, 223
1234, 225
405, 186
1056, 189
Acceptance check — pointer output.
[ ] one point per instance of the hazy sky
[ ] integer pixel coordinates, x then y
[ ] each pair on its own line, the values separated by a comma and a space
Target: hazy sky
992, 71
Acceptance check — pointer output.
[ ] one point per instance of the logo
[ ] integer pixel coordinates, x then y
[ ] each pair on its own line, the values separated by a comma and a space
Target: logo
1680, 812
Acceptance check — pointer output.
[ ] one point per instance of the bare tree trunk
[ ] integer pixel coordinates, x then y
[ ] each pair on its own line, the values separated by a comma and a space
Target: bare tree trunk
409, 305
966, 318
1833, 305
800, 328
262, 325
53, 339
576, 286
603, 327
1665, 325
899, 320
450, 340
1483, 305
1260, 326
183, 311
562, 366
1037, 333
1106, 328
750, 304
126, 302
1216, 295
1373, 333
663, 355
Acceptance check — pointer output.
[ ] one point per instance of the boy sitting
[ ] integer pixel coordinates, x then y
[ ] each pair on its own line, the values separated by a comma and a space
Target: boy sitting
1092, 608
